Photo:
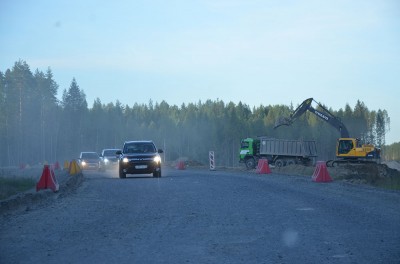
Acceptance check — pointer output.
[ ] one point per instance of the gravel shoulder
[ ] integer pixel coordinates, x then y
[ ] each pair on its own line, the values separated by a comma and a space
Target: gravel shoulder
27, 200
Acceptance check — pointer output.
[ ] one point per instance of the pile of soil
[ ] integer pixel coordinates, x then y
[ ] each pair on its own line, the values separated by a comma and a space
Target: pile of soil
374, 174
393, 164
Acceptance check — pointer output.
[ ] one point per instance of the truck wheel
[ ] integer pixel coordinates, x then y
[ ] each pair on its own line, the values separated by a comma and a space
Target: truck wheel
279, 163
157, 174
290, 162
250, 163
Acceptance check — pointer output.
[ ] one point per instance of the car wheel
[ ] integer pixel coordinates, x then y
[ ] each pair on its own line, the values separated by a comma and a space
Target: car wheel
122, 175
157, 174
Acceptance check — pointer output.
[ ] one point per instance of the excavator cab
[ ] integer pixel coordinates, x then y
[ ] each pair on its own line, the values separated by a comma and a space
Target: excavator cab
351, 148
344, 146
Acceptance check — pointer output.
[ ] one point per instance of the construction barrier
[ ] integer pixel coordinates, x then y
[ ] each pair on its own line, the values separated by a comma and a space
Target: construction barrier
56, 165
74, 168
263, 167
321, 173
180, 165
47, 180
66, 165
212, 161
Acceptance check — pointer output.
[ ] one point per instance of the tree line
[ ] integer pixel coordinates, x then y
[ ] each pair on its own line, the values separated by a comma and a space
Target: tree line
35, 126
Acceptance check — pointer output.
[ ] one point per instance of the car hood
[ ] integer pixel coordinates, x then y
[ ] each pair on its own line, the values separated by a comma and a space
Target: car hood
90, 160
110, 157
140, 156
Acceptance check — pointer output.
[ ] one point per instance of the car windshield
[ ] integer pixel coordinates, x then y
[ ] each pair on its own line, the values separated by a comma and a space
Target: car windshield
90, 155
139, 147
110, 152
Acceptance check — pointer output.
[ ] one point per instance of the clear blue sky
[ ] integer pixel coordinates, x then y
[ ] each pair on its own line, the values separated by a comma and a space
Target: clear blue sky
183, 51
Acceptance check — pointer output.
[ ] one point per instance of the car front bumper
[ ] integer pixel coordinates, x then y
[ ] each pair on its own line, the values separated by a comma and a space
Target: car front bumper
140, 167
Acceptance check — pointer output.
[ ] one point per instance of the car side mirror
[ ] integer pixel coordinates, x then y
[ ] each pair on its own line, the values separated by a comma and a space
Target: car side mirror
160, 151
119, 152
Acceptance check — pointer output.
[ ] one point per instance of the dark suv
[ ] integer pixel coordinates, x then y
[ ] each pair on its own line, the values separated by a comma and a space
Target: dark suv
139, 157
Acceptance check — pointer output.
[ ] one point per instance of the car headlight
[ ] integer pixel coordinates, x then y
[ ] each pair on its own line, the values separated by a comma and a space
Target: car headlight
157, 159
125, 160
83, 163
105, 160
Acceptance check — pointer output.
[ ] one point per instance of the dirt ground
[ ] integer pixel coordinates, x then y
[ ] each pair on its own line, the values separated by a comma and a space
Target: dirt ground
356, 173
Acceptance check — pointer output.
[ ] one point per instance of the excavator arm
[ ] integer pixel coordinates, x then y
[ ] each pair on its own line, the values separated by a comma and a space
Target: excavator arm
325, 115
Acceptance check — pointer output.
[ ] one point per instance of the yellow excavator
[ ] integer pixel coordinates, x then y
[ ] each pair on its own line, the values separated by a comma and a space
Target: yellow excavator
348, 150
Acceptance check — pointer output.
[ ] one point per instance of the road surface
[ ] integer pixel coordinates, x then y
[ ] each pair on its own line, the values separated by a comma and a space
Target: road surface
202, 216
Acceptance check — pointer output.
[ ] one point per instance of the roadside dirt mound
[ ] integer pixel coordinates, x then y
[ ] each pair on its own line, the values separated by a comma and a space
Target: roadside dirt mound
393, 164
356, 173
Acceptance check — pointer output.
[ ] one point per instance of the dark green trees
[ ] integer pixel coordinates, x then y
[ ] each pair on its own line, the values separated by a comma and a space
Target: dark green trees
75, 123
36, 127
28, 107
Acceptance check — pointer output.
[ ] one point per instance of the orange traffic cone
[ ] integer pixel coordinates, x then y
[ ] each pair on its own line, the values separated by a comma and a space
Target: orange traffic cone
66, 165
74, 168
263, 167
47, 180
180, 165
321, 173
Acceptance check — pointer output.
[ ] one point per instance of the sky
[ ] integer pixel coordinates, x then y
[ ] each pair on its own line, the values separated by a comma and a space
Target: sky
184, 51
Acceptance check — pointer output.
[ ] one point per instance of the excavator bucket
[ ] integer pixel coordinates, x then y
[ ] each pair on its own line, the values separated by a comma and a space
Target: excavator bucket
283, 121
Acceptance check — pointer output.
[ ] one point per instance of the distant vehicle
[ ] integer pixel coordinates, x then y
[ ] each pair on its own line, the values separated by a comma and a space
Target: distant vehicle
109, 158
139, 157
89, 161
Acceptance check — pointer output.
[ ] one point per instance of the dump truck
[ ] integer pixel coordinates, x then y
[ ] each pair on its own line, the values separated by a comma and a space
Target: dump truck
278, 152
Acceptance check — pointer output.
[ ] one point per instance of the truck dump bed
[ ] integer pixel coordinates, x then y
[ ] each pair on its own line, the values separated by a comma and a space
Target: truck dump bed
283, 147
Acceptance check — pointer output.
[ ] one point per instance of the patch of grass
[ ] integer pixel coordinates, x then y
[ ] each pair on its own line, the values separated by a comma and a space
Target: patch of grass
9, 187
390, 183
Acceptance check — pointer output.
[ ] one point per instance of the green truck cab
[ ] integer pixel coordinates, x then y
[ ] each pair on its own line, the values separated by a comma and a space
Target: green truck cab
249, 148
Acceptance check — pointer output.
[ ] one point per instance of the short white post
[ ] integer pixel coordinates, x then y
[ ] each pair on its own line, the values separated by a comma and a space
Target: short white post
212, 161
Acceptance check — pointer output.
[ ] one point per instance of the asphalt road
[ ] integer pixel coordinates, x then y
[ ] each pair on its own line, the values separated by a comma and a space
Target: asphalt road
202, 216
